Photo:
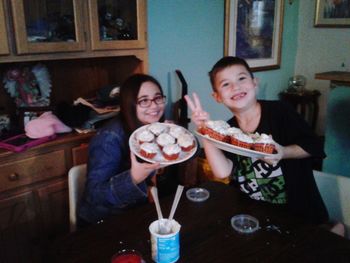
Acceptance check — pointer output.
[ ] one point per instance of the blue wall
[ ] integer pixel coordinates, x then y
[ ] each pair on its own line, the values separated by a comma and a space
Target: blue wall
189, 35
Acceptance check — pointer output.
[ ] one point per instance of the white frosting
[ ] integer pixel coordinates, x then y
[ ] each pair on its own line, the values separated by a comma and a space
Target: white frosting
264, 138
157, 128
165, 139
176, 131
185, 140
145, 136
254, 136
233, 130
171, 149
149, 147
217, 125
243, 137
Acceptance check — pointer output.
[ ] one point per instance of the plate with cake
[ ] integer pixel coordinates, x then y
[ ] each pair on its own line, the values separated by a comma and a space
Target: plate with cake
164, 143
232, 139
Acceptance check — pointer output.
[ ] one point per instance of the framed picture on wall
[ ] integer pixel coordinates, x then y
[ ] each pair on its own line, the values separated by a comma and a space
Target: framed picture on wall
332, 13
253, 31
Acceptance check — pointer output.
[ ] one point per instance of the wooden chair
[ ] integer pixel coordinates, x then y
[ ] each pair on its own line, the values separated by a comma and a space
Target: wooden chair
76, 185
180, 106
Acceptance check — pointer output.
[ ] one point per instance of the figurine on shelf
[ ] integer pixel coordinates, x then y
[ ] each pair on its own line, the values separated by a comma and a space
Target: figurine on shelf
29, 87
297, 84
113, 27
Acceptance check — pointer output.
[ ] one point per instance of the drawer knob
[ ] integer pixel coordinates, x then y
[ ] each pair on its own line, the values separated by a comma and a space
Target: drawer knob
13, 177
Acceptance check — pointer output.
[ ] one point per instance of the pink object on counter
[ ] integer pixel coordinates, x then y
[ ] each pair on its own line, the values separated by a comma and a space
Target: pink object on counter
45, 125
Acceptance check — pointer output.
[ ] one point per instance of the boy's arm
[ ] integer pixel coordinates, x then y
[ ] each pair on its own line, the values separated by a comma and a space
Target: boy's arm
219, 163
293, 151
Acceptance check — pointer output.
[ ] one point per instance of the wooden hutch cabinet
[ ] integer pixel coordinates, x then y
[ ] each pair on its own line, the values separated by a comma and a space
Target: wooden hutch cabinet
42, 29
35, 33
4, 48
85, 45
34, 197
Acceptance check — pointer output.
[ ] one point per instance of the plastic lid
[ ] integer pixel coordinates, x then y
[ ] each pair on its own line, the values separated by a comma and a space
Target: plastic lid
245, 224
197, 194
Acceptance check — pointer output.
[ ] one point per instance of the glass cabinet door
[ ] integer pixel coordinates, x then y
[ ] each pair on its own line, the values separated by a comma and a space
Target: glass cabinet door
4, 48
117, 24
43, 26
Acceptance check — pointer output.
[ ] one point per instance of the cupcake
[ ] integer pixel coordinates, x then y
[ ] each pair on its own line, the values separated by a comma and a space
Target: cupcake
176, 131
165, 139
157, 128
171, 152
231, 132
264, 143
242, 140
148, 150
186, 142
144, 136
216, 130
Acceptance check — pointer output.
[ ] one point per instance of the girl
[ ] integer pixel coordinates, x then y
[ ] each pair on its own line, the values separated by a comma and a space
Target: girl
116, 180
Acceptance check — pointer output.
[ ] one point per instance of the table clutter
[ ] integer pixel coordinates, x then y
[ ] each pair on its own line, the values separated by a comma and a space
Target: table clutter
197, 194
207, 235
245, 224
165, 240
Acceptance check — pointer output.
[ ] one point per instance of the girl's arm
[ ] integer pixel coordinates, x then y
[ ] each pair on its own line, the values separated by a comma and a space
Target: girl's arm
108, 182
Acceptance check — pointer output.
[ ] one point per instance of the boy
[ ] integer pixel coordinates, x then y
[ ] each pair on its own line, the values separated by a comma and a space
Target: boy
287, 178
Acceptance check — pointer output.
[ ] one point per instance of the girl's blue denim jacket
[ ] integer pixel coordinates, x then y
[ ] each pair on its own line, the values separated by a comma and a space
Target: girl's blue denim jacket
109, 188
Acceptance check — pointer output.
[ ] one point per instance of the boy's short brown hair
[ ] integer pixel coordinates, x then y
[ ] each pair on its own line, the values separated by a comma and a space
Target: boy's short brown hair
226, 62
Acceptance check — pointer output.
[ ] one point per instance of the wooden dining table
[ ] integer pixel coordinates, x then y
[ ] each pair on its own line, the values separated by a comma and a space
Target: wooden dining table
206, 233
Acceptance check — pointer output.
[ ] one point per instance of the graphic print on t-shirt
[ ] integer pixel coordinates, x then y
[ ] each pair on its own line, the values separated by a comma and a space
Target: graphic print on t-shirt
260, 180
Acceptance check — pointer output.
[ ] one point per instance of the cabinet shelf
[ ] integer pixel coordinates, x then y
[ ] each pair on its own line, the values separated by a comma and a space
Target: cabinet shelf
34, 39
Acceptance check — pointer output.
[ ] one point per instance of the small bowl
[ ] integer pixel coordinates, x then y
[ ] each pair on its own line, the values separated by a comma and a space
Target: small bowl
244, 224
197, 194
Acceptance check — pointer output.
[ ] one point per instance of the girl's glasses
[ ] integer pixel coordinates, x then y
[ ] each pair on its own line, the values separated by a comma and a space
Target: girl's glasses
145, 103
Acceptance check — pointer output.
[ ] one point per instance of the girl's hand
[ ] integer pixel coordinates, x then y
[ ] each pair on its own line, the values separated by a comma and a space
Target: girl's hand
140, 171
199, 116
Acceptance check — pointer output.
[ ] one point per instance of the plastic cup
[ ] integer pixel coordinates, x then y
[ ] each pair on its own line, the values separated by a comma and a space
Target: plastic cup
165, 248
245, 224
197, 194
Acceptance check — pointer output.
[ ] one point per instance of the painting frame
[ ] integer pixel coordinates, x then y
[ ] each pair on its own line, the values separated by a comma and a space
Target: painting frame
332, 15
261, 51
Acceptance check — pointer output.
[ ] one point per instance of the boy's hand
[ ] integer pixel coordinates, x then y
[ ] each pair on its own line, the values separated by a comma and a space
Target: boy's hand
140, 171
199, 116
277, 157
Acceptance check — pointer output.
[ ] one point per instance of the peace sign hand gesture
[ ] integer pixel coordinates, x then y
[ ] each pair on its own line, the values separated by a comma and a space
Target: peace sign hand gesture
199, 116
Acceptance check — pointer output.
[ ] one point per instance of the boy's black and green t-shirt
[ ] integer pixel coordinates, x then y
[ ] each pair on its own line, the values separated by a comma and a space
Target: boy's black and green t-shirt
291, 181
259, 180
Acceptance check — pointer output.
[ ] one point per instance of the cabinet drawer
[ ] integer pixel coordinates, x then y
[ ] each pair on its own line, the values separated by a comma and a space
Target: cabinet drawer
31, 170
80, 154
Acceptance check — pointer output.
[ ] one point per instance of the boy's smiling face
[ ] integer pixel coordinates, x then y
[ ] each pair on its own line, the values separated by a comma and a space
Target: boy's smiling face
235, 88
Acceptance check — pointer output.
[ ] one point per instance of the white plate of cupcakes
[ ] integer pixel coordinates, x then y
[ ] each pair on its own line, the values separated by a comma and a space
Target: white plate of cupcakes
164, 143
232, 139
